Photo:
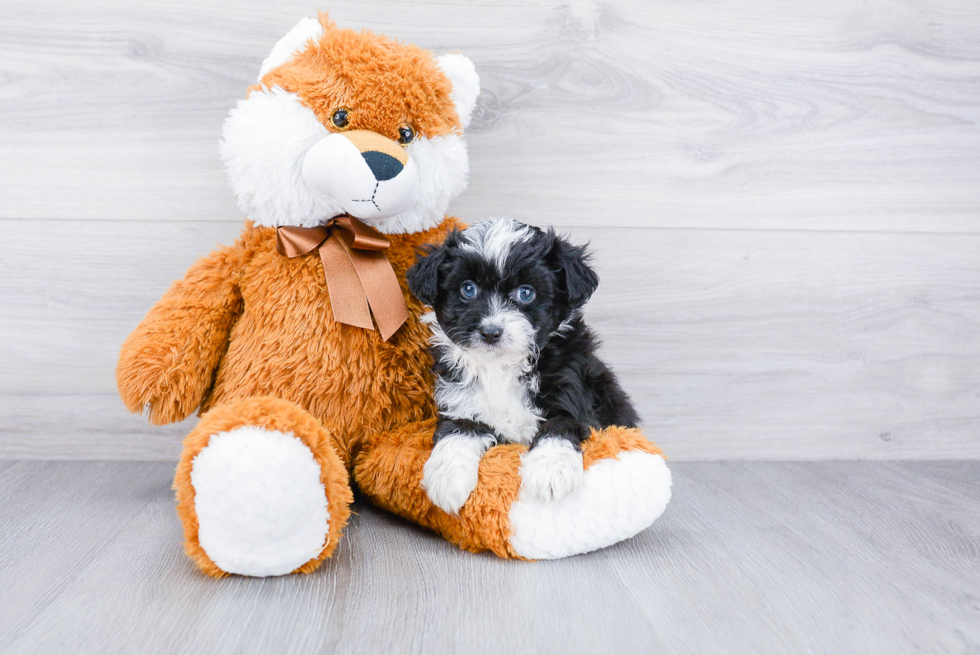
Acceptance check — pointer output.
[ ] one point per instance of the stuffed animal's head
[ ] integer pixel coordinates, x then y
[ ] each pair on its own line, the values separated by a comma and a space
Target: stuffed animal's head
345, 122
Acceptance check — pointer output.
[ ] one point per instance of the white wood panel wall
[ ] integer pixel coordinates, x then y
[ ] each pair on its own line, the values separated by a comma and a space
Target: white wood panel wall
784, 197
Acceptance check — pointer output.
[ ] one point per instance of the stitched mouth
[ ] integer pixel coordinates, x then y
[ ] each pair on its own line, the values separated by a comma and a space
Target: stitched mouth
371, 199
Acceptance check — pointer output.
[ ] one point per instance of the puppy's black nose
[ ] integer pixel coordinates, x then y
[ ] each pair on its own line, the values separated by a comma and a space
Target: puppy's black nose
491, 333
383, 165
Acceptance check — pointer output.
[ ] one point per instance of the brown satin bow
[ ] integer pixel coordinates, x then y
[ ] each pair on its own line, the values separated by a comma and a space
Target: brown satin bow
359, 276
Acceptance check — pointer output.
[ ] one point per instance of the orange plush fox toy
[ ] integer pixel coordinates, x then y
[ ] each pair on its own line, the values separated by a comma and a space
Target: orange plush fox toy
302, 347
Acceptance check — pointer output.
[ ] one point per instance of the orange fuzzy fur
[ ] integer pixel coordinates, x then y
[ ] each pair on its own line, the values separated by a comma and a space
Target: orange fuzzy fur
271, 414
247, 323
383, 83
389, 472
248, 336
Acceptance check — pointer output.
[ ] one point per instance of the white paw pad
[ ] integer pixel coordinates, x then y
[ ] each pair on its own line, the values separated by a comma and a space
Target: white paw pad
551, 470
261, 507
451, 472
617, 499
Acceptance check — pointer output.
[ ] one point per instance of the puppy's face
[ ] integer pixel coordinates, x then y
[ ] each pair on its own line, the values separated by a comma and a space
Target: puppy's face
501, 288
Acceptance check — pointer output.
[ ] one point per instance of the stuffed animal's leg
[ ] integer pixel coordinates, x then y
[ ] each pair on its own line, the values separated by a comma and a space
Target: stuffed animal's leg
625, 488
261, 490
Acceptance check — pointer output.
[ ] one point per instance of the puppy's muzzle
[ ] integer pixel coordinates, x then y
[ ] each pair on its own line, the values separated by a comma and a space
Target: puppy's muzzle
369, 175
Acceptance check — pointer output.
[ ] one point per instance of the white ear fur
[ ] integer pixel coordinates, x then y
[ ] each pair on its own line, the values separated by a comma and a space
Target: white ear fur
466, 84
294, 42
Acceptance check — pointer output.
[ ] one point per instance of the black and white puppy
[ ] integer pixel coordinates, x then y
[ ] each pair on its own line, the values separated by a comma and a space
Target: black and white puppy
514, 361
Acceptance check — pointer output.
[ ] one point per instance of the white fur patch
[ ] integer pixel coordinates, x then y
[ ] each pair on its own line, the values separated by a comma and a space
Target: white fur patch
335, 169
617, 499
493, 239
265, 140
443, 172
263, 143
294, 42
451, 472
260, 505
466, 84
551, 470
566, 325
494, 385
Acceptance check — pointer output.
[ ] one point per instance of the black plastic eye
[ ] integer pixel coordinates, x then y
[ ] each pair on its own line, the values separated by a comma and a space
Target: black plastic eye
525, 293
405, 135
340, 118
469, 290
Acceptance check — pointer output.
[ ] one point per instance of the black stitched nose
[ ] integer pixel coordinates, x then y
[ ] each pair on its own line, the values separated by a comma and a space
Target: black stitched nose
383, 165
491, 333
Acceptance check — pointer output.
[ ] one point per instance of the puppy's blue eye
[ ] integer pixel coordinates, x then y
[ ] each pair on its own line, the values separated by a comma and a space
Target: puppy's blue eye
469, 290
525, 293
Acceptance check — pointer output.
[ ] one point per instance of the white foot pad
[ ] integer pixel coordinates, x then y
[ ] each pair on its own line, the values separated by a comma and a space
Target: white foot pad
617, 499
261, 507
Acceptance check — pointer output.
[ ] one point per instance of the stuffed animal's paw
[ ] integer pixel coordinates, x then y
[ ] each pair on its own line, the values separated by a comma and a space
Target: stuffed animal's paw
552, 469
154, 378
451, 473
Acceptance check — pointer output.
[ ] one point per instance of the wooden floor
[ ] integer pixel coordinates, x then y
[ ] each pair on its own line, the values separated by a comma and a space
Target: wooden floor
831, 557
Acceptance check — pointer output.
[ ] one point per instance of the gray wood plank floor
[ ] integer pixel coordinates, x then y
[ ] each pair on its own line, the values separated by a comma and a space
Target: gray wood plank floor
831, 557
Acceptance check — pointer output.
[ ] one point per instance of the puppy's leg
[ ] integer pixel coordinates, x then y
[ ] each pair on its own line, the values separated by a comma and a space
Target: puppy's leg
451, 473
553, 466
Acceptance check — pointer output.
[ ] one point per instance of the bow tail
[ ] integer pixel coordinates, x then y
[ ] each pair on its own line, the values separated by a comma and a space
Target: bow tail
383, 292
347, 298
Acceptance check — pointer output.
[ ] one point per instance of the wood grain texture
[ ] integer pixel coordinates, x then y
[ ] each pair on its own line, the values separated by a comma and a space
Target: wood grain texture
824, 305
32, 426
836, 115
734, 344
829, 557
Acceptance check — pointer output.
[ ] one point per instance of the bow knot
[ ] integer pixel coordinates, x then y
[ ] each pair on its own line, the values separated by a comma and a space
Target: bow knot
360, 279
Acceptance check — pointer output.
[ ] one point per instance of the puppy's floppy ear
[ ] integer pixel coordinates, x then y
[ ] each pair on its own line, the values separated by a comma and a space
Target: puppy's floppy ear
423, 276
581, 280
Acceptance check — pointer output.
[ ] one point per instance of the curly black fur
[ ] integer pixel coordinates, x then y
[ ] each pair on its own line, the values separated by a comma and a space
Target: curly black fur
564, 381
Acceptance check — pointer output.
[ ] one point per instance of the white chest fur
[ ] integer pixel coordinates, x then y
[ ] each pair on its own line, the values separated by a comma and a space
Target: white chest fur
499, 396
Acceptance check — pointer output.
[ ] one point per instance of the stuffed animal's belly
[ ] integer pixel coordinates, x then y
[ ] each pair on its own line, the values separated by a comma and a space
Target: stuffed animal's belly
347, 377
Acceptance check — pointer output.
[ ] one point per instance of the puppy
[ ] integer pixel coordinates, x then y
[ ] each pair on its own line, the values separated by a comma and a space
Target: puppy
514, 361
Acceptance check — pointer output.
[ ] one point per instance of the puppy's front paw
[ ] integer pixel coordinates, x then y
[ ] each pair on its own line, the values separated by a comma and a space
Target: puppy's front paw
451, 473
552, 469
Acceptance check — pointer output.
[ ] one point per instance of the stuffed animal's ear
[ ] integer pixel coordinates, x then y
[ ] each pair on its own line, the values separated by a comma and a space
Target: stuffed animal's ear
294, 42
423, 276
581, 280
466, 84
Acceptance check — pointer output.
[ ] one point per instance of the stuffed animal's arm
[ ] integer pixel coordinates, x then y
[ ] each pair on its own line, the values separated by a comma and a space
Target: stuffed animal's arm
167, 364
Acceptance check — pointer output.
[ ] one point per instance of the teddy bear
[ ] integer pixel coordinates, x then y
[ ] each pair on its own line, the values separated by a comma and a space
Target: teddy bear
302, 348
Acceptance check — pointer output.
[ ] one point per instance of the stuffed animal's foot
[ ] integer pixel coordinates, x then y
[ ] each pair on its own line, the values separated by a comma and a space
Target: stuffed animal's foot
261, 490
551, 470
621, 493
451, 472
624, 488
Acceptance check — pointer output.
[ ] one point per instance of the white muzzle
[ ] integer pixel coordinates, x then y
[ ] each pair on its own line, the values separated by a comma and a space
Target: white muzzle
370, 176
